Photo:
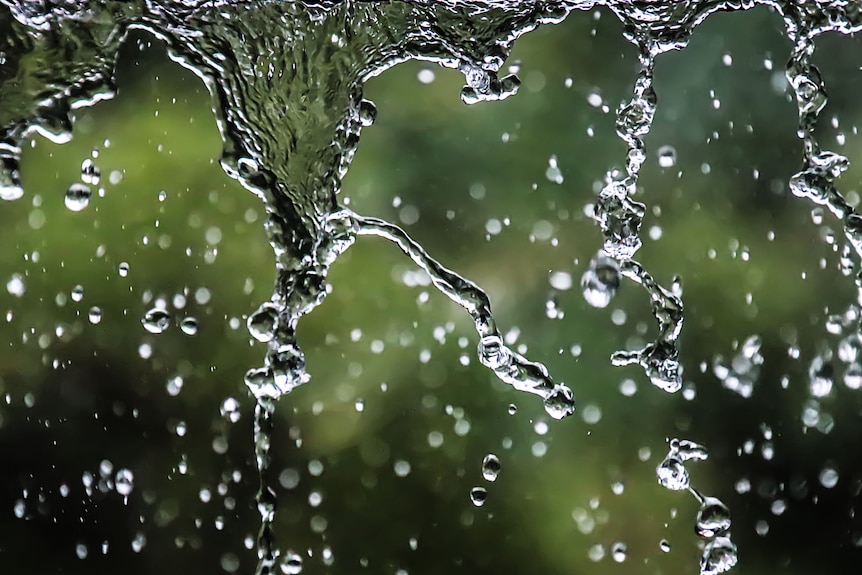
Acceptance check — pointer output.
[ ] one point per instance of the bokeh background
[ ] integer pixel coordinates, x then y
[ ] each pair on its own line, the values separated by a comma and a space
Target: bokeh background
380, 451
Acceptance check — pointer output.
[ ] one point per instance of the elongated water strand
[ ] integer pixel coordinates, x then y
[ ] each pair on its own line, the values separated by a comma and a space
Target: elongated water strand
509, 366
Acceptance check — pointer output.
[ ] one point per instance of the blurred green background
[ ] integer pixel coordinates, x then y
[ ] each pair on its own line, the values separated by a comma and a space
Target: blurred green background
379, 452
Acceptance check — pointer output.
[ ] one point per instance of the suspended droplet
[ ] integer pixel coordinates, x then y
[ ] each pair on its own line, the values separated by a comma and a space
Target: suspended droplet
90, 173
262, 323
229, 409
124, 482
560, 403
156, 320
618, 552
189, 326
664, 545
94, 315
490, 467
672, 474
713, 518
719, 556
512, 409
478, 495
78, 197
291, 563
666, 156
174, 385
601, 281
77, 293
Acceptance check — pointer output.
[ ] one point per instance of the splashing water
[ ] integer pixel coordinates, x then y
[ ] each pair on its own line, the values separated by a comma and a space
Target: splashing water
287, 80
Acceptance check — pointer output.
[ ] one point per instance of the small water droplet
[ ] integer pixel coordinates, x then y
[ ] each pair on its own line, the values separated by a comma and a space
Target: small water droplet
618, 552
123, 269
78, 197
664, 545
601, 281
490, 467
478, 495
262, 323
189, 326
512, 409
94, 315
77, 293
666, 156
156, 320
124, 482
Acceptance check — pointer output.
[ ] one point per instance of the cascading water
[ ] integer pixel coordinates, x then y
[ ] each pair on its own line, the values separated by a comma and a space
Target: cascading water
286, 81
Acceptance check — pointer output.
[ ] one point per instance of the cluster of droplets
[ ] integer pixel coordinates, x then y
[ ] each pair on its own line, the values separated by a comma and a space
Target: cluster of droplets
620, 218
742, 372
713, 517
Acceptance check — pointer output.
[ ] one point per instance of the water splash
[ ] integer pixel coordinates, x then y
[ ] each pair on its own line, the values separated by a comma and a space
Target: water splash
290, 132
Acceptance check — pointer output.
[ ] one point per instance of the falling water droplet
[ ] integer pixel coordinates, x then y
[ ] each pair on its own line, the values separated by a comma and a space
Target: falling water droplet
124, 482
478, 495
672, 474
78, 197
291, 563
262, 323
601, 281
664, 545
719, 556
666, 156
713, 518
189, 326
156, 320
490, 467
94, 315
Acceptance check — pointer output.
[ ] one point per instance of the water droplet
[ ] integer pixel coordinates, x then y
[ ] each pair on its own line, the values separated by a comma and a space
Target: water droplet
78, 197
664, 545
601, 281
672, 474
666, 156
77, 293
291, 563
478, 495
94, 315
156, 320
124, 482
618, 552
490, 467
512, 409
719, 556
262, 323
174, 385
189, 326
90, 173
123, 269
713, 518
16, 286
367, 112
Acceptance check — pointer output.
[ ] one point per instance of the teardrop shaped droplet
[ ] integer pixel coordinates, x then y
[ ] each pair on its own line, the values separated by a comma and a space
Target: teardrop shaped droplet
601, 281
490, 467
478, 495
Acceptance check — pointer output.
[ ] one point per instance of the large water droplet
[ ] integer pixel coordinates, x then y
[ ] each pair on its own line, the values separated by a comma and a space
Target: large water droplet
157, 320
601, 281
78, 197
672, 474
490, 467
713, 518
262, 323
719, 556
478, 495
